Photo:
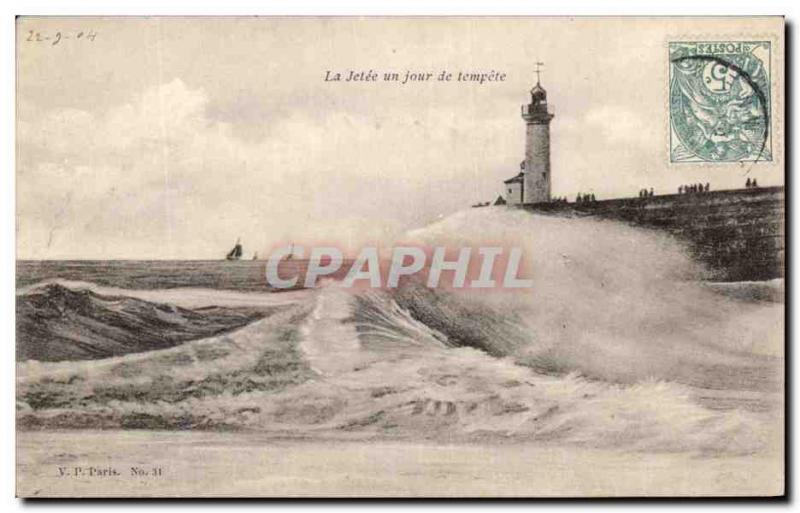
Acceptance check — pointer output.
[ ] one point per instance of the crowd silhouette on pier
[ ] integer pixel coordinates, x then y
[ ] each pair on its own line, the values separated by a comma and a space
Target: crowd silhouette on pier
694, 188
584, 198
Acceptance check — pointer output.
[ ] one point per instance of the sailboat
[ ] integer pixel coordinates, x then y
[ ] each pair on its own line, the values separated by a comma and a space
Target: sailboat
255, 255
291, 253
236, 252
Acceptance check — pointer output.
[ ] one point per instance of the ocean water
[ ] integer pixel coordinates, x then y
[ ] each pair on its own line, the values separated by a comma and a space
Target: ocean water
618, 346
148, 274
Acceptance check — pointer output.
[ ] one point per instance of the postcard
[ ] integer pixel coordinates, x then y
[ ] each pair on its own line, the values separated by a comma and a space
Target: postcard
400, 257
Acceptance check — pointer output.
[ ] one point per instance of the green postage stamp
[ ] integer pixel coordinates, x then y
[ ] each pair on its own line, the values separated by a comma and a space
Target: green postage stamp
719, 101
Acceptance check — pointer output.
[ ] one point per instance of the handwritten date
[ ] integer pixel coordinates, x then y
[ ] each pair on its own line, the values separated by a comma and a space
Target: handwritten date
54, 38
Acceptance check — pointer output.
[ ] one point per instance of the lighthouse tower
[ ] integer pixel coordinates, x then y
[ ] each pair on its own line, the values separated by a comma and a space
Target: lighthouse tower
537, 145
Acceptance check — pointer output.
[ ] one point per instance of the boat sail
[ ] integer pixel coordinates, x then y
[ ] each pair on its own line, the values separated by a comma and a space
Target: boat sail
236, 252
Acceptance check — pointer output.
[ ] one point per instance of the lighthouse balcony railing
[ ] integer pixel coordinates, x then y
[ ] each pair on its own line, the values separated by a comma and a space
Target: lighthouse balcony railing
531, 110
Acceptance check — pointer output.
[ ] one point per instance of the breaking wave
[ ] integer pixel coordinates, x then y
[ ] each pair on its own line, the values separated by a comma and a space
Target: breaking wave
616, 345
56, 323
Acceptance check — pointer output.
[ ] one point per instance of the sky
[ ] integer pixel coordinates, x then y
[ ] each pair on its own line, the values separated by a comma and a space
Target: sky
171, 137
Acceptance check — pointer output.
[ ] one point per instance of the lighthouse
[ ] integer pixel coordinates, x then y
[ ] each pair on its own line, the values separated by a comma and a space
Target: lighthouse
536, 186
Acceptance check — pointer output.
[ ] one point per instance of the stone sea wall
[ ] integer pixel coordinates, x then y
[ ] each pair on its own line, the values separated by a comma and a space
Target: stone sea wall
739, 234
